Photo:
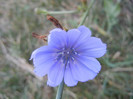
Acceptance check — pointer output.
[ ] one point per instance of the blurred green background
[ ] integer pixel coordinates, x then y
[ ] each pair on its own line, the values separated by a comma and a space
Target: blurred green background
111, 20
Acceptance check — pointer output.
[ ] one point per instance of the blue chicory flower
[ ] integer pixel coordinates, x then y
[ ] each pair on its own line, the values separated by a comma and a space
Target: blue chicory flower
70, 56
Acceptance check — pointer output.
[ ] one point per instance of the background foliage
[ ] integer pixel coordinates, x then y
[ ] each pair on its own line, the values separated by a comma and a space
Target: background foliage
111, 20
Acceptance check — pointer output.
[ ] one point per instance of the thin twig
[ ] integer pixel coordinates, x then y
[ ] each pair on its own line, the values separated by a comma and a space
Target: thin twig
44, 11
122, 69
86, 13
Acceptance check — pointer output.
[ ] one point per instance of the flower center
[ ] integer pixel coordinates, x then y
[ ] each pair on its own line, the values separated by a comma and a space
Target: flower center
66, 55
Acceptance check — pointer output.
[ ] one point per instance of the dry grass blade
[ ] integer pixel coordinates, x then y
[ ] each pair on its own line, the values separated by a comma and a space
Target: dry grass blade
18, 61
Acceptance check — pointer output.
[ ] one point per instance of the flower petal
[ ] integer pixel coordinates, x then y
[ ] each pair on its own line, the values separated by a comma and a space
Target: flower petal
73, 36
57, 38
84, 36
81, 72
90, 62
55, 75
86, 32
43, 59
43, 49
42, 54
68, 77
93, 47
44, 68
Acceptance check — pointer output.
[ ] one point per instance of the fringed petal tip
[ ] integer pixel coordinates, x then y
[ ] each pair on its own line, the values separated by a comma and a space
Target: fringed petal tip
84, 30
69, 85
38, 73
55, 30
32, 55
51, 84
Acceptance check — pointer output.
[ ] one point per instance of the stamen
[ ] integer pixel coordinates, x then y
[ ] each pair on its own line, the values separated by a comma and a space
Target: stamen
75, 53
68, 61
63, 48
68, 52
72, 58
66, 55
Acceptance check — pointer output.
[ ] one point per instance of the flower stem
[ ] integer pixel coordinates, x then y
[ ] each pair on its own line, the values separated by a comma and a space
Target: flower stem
86, 13
43, 11
61, 86
60, 90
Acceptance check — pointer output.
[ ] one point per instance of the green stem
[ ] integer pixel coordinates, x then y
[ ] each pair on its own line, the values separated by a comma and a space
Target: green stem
61, 86
43, 11
60, 90
86, 13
